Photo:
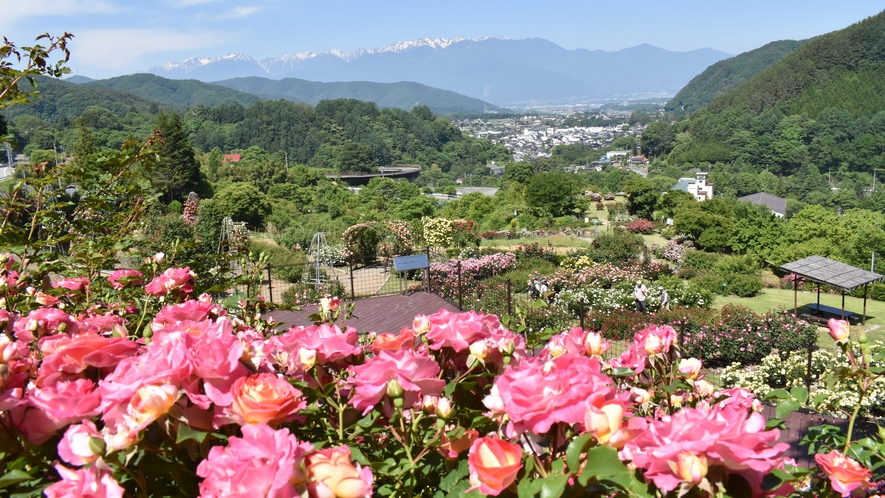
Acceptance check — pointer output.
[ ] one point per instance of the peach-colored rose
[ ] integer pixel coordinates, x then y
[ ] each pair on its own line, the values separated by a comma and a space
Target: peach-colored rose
421, 325
839, 330
690, 467
595, 344
265, 399
604, 421
690, 368
494, 464
393, 342
150, 403
332, 474
844, 472
450, 448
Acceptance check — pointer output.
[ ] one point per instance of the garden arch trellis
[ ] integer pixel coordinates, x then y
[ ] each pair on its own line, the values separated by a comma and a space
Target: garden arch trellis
362, 241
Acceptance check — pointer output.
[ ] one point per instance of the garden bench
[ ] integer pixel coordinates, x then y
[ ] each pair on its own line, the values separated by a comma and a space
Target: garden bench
820, 308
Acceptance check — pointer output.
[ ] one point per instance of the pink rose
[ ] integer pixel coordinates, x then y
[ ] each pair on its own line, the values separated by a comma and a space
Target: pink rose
729, 436
264, 462
43, 321
265, 399
173, 280
844, 472
839, 330
332, 473
91, 482
121, 279
456, 330
331, 344
103, 324
186, 312
77, 284
79, 446
415, 372
655, 340
536, 393
54, 407
493, 464
87, 350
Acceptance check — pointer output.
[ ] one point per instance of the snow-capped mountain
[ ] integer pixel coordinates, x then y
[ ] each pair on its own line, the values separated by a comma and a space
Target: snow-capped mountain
496, 69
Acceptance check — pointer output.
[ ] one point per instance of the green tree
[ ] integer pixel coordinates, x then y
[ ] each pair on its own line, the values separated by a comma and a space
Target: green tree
243, 202
642, 197
177, 172
553, 193
354, 158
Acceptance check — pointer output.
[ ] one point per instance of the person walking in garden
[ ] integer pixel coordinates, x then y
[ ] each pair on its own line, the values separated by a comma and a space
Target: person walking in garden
665, 299
640, 292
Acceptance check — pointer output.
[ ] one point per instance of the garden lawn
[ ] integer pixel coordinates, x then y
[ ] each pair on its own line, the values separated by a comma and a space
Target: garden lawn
783, 299
561, 243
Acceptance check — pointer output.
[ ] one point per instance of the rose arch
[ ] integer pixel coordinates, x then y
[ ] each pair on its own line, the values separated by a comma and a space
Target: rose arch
367, 241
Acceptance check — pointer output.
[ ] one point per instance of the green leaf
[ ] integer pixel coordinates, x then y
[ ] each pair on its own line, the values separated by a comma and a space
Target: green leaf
621, 372
785, 408
451, 479
575, 450
778, 394
602, 462
818, 399
185, 433
14, 477
800, 394
529, 488
553, 486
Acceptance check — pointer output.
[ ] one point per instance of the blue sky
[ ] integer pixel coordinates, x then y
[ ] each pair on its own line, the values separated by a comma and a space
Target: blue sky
116, 37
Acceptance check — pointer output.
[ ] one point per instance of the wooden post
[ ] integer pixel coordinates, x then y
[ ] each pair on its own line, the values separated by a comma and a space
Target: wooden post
460, 289
352, 293
509, 297
843, 305
581, 311
818, 297
270, 284
811, 347
863, 320
795, 296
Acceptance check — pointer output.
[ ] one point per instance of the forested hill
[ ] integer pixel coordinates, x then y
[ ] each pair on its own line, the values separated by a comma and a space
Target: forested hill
819, 110
727, 74
183, 93
61, 101
845, 67
346, 134
401, 95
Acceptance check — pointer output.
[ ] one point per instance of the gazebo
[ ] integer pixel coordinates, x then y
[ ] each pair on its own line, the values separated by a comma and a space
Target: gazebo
834, 274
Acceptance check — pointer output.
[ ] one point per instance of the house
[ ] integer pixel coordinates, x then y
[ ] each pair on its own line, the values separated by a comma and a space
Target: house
638, 160
616, 154
777, 205
697, 186
495, 169
230, 158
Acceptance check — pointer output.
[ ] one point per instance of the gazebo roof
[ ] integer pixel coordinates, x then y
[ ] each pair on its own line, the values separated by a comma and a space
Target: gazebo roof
833, 273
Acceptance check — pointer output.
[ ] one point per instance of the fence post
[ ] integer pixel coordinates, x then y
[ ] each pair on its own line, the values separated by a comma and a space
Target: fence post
427, 271
460, 289
352, 293
269, 284
509, 297
811, 347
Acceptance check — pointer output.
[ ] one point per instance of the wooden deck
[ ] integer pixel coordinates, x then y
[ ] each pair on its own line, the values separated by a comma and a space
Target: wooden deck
375, 314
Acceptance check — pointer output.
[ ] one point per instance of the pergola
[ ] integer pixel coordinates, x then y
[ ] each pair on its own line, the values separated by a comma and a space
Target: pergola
834, 274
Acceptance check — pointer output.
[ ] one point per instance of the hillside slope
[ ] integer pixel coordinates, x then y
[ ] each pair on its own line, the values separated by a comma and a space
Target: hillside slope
401, 95
846, 65
182, 93
728, 74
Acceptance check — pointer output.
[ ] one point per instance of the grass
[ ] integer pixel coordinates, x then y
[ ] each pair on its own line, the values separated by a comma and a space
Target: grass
560, 243
769, 299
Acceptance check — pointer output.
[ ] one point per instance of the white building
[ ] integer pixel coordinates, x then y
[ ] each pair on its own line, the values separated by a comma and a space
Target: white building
697, 186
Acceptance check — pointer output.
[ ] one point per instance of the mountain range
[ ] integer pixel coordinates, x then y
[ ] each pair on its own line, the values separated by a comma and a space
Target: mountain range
498, 70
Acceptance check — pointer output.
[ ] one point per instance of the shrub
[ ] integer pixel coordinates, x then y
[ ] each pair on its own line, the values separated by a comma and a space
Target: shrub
616, 246
787, 369
737, 265
306, 294
536, 250
744, 285
740, 335
284, 264
640, 226
600, 206
710, 282
175, 207
699, 260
